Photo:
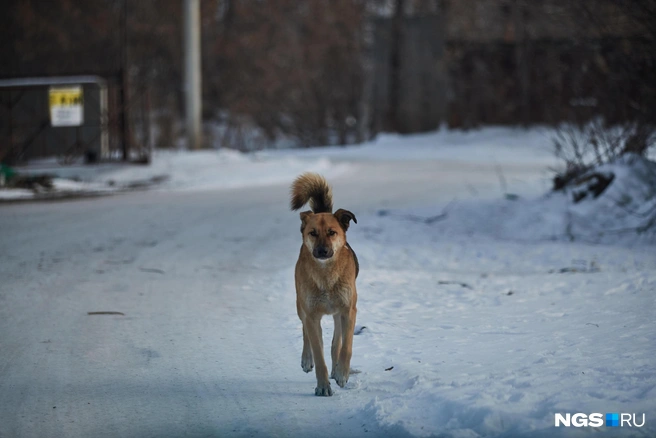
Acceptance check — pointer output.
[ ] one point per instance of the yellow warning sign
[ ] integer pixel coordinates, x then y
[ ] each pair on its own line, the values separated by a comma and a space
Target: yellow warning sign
66, 106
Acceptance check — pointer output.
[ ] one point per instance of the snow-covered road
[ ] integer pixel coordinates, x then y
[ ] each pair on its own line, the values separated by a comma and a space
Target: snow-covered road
484, 337
205, 346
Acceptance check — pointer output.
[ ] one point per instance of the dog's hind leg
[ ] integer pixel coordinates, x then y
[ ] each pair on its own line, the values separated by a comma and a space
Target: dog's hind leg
313, 329
337, 344
307, 363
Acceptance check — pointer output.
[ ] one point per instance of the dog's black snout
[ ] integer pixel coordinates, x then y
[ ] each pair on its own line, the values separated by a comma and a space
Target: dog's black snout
322, 252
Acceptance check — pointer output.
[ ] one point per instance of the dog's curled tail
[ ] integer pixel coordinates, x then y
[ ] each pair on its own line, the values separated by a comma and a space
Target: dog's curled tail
312, 188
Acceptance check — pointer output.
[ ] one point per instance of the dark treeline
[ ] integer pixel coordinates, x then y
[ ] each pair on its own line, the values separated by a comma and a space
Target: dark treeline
339, 72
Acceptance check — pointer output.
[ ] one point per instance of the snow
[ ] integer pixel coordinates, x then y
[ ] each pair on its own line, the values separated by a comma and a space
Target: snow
10, 194
613, 217
222, 169
181, 171
479, 314
61, 187
62, 184
488, 145
489, 336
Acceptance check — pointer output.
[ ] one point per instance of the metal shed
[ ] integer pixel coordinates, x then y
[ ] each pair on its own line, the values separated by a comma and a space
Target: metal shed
33, 124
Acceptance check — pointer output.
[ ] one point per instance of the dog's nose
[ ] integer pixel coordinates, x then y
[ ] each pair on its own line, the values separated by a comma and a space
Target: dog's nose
322, 252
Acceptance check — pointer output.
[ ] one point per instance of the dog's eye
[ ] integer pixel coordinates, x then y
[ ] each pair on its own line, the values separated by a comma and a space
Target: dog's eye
331, 232
313, 233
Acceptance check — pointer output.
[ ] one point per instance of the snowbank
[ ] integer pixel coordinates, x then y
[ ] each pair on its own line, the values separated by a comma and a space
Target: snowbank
617, 215
487, 145
178, 171
225, 168
222, 169
12, 194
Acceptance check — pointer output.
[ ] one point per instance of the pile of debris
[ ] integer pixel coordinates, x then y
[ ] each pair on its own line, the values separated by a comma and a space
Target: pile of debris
10, 179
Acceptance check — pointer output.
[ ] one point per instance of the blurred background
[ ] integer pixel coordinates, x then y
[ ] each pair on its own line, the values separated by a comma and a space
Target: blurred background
499, 156
284, 73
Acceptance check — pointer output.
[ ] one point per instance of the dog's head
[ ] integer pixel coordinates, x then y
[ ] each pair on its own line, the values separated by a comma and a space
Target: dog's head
325, 233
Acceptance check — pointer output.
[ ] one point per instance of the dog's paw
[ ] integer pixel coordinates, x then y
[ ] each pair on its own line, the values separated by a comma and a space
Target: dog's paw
353, 371
340, 377
341, 381
307, 364
325, 391
332, 371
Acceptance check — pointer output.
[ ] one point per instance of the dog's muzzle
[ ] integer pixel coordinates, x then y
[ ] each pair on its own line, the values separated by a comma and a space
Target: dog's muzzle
322, 252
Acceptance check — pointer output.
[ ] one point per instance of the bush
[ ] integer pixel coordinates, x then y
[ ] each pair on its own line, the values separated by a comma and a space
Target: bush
582, 148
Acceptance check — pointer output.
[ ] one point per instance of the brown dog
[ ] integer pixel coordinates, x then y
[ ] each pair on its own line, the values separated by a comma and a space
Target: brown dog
325, 280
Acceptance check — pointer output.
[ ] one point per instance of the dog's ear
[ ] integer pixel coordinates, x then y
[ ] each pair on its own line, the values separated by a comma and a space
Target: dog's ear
344, 217
304, 216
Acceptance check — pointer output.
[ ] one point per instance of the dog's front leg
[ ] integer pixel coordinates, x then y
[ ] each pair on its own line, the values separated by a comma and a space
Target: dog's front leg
306, 356
336, 346
313, 329
344, 364
307, 363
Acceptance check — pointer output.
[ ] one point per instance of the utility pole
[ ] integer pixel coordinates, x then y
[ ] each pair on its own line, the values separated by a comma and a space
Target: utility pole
521, 60
394, 91
192, 77
124, 119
